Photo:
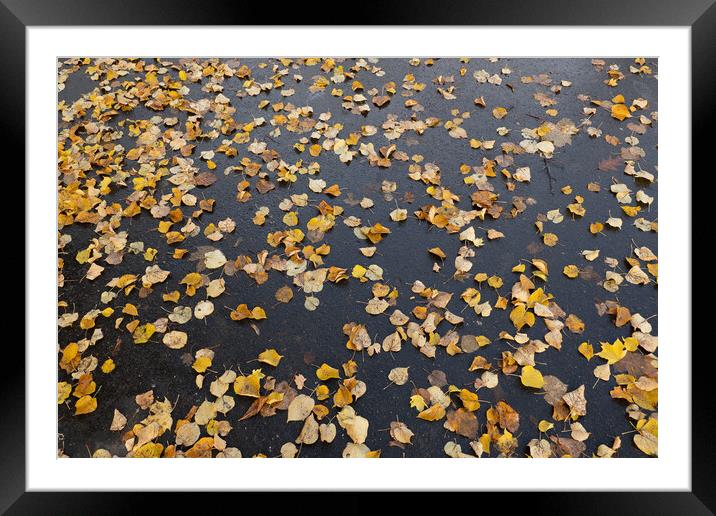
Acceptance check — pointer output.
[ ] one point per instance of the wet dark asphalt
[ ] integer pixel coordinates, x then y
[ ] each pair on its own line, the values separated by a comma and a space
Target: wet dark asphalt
316, 337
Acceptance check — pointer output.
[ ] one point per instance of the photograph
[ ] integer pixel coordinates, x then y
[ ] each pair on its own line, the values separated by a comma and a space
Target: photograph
357, 257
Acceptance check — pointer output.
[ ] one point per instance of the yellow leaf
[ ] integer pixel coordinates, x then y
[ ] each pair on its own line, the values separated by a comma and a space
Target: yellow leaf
545, 425
571, 271
202, 448
651, 426
543, 130
480, 277
631, 343
437, 252
70, 352
612, 353
333, 190
108, 366
201, 364
482, 341
471, 296
577, 209
505, 442
434, 413
164, 226
85, 386
574, 323
85, 405
647, 443
242, 312
418, 402
550, 239
249, 385
172, 296
631, 210
291, 218
586, 349
322, 392
499, 112
320, 411
149, 451
326, 372
531, 377
538, 296
620, 112
359, 271
126, 279
469, 400
485, 441
595, 227
342, 397
494, 281
541, 265
191, 280
83, 256
86, 323
258, 313
521, 316
63, 392
270, 356
143, 333
274, 397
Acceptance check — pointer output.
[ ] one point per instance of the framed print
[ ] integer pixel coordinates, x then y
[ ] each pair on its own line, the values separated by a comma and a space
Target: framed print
398, 244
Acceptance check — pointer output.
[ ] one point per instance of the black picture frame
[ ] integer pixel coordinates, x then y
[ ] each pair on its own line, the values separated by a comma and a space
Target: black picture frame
700, 15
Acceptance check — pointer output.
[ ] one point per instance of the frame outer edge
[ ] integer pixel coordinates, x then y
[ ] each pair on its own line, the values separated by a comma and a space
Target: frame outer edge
416, 12
12, 36
703, 105
12, 127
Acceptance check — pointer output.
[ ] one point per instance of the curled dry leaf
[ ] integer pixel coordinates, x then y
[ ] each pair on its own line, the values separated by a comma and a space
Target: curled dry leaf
398, 375
400, 432
175, 339
119, 421
188, 434
376, 306
300, 408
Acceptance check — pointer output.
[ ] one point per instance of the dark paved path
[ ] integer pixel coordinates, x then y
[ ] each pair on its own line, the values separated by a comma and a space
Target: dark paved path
315, 337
